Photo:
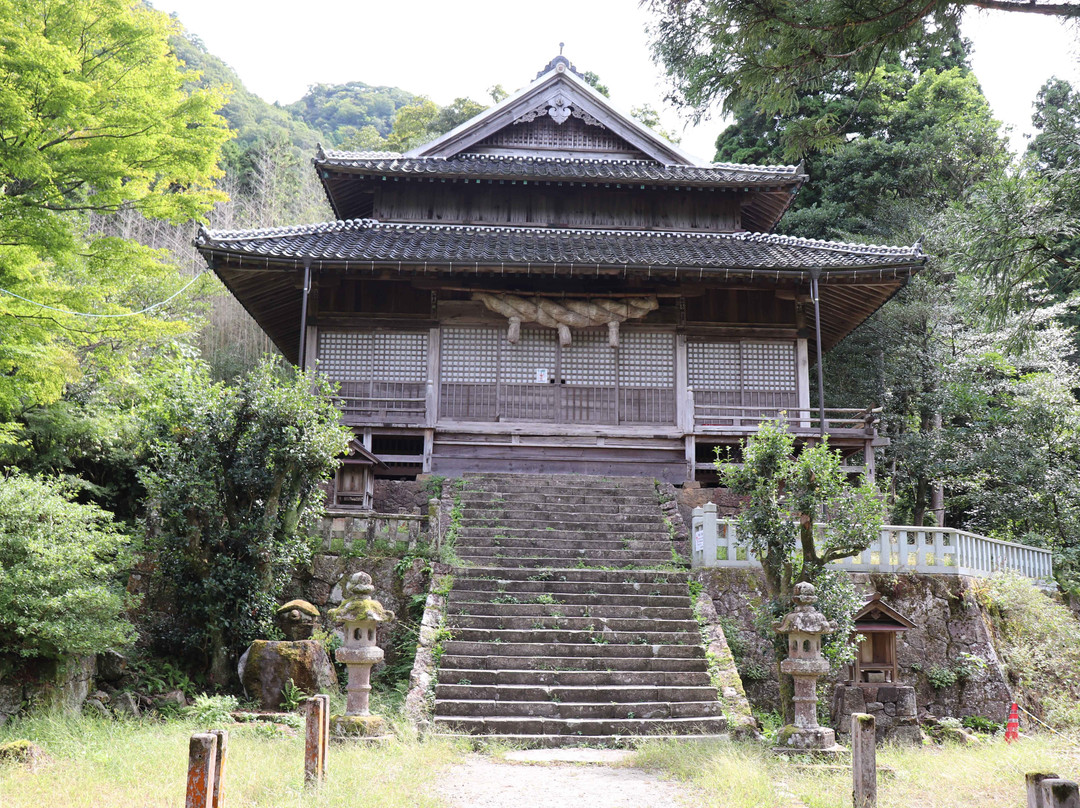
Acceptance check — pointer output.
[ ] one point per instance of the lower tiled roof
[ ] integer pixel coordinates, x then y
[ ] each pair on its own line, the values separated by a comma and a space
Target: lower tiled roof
370, 240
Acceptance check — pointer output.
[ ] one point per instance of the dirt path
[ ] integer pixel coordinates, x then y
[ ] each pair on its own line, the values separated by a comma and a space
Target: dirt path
524, 780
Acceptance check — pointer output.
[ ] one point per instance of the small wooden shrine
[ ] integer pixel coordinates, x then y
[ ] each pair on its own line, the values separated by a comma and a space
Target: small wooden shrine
552, 287
875, 659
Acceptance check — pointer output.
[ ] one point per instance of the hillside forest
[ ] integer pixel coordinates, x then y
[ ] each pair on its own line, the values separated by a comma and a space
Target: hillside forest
128, 430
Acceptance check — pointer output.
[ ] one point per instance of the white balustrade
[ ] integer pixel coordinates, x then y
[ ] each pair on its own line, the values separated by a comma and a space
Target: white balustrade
899, 548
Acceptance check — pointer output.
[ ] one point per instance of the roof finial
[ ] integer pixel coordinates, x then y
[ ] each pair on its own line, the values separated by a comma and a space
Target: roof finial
561, 46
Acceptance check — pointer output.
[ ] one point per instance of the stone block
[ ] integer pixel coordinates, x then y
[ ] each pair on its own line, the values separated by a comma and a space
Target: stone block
906, 735
127, 705
886, 693
267, 665
874, 706
111, 666
905, 702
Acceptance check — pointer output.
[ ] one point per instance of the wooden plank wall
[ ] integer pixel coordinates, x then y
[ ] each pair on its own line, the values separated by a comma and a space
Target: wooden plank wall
552, 206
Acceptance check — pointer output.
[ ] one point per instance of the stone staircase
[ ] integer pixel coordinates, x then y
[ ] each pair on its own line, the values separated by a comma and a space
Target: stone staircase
569, 622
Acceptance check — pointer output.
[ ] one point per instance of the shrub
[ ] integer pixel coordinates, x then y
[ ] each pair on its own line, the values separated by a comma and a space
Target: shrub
210, 710
1038, 642
59, 567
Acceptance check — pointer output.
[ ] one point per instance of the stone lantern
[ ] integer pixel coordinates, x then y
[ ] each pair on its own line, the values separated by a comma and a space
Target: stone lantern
359, 616
805, 665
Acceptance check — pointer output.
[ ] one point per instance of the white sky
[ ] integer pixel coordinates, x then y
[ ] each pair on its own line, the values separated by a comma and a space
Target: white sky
445, 49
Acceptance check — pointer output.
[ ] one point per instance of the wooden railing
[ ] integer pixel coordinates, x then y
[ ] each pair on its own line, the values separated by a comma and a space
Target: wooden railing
720, 418
386, 402
899, 548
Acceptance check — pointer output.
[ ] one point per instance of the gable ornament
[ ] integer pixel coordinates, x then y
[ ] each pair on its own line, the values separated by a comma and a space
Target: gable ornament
559, 108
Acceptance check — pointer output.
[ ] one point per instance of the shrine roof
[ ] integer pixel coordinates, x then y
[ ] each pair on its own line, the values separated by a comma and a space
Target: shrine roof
513, 167
367, 240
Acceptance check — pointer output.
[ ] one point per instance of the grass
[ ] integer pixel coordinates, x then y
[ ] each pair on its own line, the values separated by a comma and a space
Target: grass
115, 764
745, 775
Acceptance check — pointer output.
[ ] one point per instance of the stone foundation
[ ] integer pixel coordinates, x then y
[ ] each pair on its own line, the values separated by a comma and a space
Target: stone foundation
893, 707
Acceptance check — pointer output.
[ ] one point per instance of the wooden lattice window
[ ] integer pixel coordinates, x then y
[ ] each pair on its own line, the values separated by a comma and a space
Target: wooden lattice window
646, 359
758, 375
350, 356
589, 359
769, 366
714, 365
469, 355
536, 350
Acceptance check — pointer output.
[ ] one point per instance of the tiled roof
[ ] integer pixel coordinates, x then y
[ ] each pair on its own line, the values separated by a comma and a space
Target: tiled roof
369, 240
501, 166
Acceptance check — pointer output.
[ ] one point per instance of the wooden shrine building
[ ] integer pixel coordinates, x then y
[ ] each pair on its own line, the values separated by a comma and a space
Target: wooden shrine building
875, 658
553, 287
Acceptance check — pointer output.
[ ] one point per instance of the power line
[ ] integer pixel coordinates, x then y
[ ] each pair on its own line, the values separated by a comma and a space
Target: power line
106, 316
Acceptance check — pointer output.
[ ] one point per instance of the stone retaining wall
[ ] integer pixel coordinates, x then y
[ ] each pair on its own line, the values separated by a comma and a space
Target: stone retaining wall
951, 639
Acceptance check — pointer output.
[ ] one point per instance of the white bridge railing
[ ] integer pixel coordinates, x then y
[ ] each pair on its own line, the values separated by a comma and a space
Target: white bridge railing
900, 548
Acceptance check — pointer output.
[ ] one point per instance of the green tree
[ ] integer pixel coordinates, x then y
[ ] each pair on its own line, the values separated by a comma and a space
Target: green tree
94, 119
771, 51
234, 477
60, 563
787, 495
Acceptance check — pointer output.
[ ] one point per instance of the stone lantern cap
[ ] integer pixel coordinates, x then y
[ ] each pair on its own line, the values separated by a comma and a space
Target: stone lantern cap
297, 619
805, 619
358, 604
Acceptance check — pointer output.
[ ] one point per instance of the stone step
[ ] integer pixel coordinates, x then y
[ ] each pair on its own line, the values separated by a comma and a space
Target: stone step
613, 650
554, 558
586, 727
508, 623
546, 542
466, 599
497, 565
474, 708
570, 497
570, 574
600, 693
567, 512
504, 660
527, 517
535, 611
584, 638
542, 533
523, 741
578, 678
626, 587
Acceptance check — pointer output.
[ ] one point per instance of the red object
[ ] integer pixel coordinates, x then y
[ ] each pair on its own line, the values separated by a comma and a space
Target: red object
1012, 728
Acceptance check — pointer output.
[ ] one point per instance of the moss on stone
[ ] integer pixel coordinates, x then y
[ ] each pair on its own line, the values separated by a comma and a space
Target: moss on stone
301, 606
356, 726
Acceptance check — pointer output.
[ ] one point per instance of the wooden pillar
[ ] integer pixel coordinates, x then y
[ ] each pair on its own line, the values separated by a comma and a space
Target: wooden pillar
317, 729
202, 760
863, 760
218, 799
815, 293
303, 315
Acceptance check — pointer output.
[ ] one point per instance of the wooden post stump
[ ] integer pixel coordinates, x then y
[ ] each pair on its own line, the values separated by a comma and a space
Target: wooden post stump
1058, 793
864, 760
317, 729
1034, 782
202, 760
218, 798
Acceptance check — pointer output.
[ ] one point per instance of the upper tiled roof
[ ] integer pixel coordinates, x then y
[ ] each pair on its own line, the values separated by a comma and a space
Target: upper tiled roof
369, 240
501, 166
